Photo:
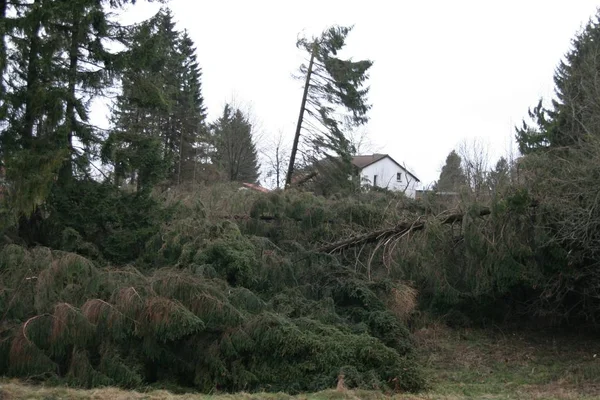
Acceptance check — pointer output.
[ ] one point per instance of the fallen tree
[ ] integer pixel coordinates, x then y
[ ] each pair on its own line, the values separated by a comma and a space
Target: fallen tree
399, 229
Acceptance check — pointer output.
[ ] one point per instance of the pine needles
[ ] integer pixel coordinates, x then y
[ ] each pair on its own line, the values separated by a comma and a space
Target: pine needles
91, 327
212, 305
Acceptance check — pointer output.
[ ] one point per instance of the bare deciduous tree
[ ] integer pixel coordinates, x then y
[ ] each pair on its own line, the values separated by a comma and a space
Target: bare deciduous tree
360, 141
475, 158
276, 156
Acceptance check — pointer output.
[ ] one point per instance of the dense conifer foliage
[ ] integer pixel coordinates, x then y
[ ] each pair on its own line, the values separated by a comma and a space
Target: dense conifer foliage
214, 306
134, 256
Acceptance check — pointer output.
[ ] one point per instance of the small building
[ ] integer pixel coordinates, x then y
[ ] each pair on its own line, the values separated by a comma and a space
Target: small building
381, 170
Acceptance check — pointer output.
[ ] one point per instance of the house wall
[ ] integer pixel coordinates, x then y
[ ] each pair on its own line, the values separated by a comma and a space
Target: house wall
386, 171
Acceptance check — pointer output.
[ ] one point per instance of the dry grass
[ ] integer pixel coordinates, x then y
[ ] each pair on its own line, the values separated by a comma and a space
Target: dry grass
12, 390
403, 301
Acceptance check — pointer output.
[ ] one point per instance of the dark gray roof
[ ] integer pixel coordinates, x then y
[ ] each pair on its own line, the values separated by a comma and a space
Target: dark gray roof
363, 161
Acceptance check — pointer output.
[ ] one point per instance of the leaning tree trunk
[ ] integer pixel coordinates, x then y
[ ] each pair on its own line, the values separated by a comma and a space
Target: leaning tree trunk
290, 172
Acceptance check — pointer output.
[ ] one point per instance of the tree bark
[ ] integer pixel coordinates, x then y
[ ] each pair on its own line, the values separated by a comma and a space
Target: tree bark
32, 79
180, 158
290, 172
3, 7
66, 171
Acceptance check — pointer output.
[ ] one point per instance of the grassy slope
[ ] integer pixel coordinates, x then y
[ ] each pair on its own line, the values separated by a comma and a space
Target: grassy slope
462, 364
510, 365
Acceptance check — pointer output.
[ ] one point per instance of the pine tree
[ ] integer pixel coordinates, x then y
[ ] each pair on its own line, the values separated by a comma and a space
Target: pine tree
575, 112
452, 177
235, 149
331, 85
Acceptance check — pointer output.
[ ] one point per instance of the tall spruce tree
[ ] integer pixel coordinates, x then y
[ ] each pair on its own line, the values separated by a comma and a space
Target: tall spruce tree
33, 109
235, 149
575, 112
57, 63
332, 85
135, 145
159, 117
190, 112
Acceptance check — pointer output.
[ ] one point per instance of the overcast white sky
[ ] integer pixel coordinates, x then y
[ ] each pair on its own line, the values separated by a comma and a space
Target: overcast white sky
443, 70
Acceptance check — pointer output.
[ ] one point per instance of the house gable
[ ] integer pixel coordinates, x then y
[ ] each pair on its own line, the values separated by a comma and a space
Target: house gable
364, 161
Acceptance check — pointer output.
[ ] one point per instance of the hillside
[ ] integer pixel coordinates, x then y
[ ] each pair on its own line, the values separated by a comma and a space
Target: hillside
143, 256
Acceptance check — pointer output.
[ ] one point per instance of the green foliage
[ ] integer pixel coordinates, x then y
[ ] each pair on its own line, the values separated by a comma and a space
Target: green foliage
210, 303
235, 148
319, 353
452, 177
90, 327
232, 255
334, 97
159, 117
29, 189
574, 114
560, 170
99, 220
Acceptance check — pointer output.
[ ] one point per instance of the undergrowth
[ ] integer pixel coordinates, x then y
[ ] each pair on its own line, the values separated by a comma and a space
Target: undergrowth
215, 302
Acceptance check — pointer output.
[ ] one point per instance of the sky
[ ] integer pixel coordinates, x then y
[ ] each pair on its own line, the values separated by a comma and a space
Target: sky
444, 72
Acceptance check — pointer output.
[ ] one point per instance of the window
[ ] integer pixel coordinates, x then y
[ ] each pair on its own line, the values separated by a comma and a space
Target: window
399, 177
374, 180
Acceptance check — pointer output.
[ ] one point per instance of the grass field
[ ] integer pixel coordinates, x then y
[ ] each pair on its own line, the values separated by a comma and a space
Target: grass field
461, 364
509, 365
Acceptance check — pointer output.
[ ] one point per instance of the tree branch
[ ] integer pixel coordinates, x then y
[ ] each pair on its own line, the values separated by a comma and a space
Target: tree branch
401, 228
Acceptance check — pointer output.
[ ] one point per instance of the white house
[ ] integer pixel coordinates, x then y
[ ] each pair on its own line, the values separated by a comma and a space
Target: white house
383, 171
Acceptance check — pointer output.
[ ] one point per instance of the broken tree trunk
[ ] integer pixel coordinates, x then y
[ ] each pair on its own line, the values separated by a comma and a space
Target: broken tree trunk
306, 178
399, 229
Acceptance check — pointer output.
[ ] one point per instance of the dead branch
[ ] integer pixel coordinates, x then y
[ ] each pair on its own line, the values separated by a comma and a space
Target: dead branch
400, 229
267, 218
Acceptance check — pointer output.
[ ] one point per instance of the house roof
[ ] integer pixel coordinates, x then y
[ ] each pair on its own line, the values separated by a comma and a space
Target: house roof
366, 160
363, 161
256, 187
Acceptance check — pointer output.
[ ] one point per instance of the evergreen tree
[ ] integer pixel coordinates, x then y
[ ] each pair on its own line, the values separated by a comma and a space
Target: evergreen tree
235, 149
452, 177
159, 117
58, 63
135, 146
190, 112
331, 85
575, 112
33, 109
499, 177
